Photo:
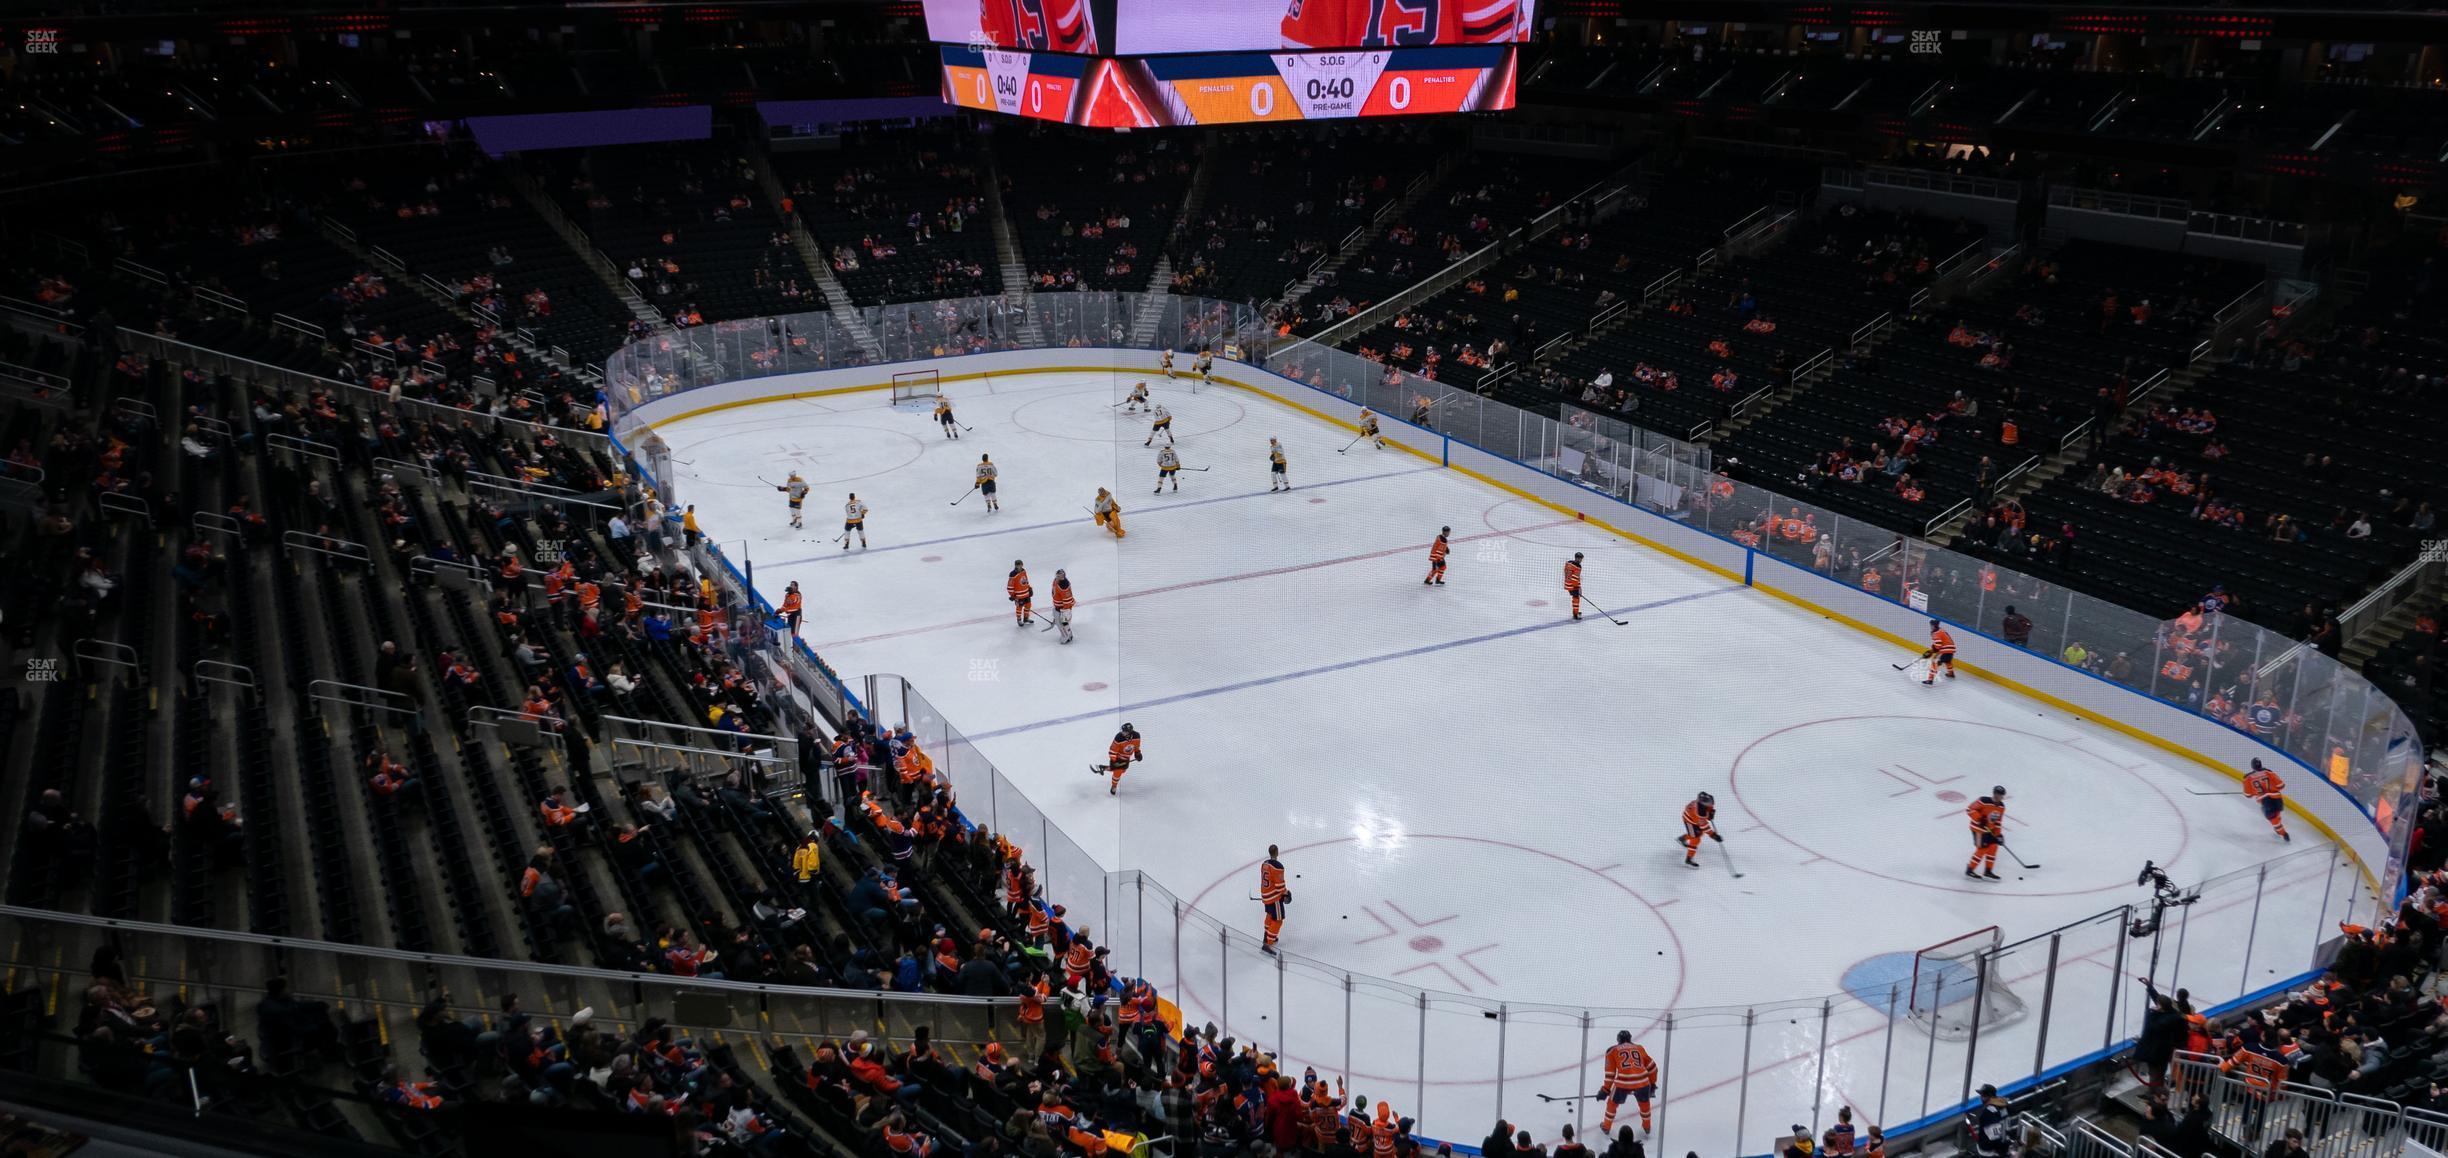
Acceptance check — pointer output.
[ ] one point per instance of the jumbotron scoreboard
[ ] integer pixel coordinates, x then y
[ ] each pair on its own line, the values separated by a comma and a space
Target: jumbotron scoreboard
1153, 63
1230, 88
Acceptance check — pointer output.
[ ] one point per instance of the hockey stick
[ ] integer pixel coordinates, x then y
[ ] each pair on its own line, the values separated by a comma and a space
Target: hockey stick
1729, 859
2029, 864
2199, 792
1568, 1097
1200, 469
1609, 614
964, 494
1354, 442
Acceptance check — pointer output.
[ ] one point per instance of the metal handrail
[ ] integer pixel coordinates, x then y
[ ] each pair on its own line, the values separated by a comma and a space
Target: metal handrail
1947, 264
2219, 319
308, 446
214, 523
428, 565
1940, 519
482, 716
1747, 401
33, 376
126, 504
368, 701
196, 672
2151, 385
402, 466
1870, 330
215, 297
1812, 363
41, 315
1997, 263
331, 545
1664, 282
2406, 584
2017, 471
107, 651
1741, 226
299, 324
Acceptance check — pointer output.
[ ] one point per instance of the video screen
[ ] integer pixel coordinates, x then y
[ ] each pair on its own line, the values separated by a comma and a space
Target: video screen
1230, 88
1166, 27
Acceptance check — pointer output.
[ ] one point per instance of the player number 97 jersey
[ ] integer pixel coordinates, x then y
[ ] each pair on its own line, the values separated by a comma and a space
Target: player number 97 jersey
1400, 23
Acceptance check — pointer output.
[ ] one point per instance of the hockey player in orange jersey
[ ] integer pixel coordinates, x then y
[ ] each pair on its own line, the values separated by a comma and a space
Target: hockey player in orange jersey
1988, 817
1629, 1074
1941, 653
1437, 551
1273, 894
1572, 582
1699, 820
1119, 756
1016, 588
2264, 785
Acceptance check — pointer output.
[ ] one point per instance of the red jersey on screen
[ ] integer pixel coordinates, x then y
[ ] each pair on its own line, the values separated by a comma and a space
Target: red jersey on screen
1044, 25
1401, 23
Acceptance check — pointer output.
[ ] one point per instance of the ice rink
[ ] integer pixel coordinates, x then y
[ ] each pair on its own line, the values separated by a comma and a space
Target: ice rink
1480, 796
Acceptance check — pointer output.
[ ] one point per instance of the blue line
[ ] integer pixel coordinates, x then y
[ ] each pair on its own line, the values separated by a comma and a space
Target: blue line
1345, 665
1143, 513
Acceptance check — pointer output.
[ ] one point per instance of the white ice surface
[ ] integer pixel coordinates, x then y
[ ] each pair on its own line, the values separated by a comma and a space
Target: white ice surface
1478, 796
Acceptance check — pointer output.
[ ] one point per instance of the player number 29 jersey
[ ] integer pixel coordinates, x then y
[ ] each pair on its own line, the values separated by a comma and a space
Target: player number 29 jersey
1399, 23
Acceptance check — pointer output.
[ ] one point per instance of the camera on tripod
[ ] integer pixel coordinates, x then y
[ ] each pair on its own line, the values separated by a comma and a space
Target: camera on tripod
2164, 896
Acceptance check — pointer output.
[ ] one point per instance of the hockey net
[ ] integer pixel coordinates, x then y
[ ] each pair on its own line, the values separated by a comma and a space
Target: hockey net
1949, 994
916, 386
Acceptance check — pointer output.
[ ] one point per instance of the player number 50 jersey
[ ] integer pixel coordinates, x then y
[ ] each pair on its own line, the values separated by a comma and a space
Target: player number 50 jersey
1400, 23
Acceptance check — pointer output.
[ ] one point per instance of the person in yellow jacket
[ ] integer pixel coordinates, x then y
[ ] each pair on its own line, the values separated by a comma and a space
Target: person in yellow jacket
807, 858
1108, 512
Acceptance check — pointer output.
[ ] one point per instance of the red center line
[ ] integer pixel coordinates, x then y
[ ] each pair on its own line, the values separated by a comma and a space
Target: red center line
1185, 586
